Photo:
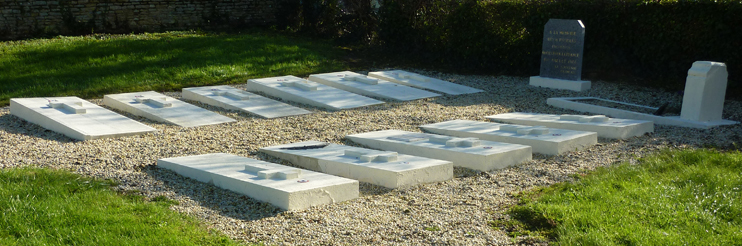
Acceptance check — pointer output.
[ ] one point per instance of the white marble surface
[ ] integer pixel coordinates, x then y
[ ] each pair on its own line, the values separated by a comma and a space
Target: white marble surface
383, 168
470, 153
423, 82
228, 97
241, 175
543, 140
79, 119
292, 88
161, 108
368, 86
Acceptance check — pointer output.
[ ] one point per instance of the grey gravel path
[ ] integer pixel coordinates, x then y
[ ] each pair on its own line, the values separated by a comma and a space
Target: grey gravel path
461, 208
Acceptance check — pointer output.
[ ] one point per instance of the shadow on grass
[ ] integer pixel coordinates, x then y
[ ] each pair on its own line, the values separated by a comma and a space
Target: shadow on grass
90, 67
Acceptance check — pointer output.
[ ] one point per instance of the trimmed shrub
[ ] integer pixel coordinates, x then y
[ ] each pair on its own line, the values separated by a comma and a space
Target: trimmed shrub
656, 40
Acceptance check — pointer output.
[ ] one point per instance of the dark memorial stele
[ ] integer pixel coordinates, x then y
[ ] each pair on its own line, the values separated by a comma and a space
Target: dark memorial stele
561, 53
561, 56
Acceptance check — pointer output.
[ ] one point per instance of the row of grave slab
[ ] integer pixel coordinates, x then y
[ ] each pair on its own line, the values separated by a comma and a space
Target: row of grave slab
82, 120
329, 172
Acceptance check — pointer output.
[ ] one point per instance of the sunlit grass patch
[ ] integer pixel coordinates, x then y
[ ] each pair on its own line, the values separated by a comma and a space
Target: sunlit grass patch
49, 207
91, 66
687, 197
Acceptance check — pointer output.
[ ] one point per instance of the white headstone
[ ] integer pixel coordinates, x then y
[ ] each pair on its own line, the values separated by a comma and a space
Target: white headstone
76, 118
464, 152
543, 140
368, 86
285, 187
228, 97
705, 88
158, 107
384, 168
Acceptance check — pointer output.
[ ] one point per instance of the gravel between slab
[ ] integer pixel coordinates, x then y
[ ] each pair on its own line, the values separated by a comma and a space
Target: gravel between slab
460, 208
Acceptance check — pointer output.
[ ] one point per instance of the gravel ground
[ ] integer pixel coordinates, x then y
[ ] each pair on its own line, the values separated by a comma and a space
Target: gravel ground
461, 208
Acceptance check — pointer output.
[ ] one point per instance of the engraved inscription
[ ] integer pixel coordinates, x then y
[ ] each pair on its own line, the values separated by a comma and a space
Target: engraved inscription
561, 53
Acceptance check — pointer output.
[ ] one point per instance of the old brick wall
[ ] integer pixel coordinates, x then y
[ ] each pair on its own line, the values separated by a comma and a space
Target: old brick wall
29, 18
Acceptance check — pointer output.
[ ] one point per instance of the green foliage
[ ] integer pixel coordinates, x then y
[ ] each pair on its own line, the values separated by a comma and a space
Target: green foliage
672, 198
91, 66
50, 207
649, 39
350, 22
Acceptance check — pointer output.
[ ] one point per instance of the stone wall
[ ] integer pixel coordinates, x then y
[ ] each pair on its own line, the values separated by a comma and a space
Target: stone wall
29, 18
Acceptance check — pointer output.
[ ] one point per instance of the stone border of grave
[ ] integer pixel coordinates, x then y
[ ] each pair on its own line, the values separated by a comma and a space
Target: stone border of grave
703, 100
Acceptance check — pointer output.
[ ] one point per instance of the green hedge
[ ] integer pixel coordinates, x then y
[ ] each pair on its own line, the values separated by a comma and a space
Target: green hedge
657, 40
347, 21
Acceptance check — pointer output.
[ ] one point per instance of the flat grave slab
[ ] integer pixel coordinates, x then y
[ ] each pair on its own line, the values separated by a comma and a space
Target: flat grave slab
161, 108
383, 168
76, 118
423, 82
605, 127
463, 152
285, 187
543, 140
574, 103
292, 88
228, 97
364, 85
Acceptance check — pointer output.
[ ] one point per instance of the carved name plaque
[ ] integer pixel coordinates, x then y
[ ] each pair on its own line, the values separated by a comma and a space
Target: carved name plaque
561, 53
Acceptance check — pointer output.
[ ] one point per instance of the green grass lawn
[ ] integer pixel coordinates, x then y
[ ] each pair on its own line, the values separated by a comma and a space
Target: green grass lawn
50, 207
672, 198
92, 66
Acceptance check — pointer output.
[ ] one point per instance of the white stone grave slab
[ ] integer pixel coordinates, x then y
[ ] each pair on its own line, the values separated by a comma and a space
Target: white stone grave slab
463, 152
383, 168
228, 97
605, 127
285, 187
76, 118
364, 85
423, 82
161, 108
292, 88
574, 103
543, 140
